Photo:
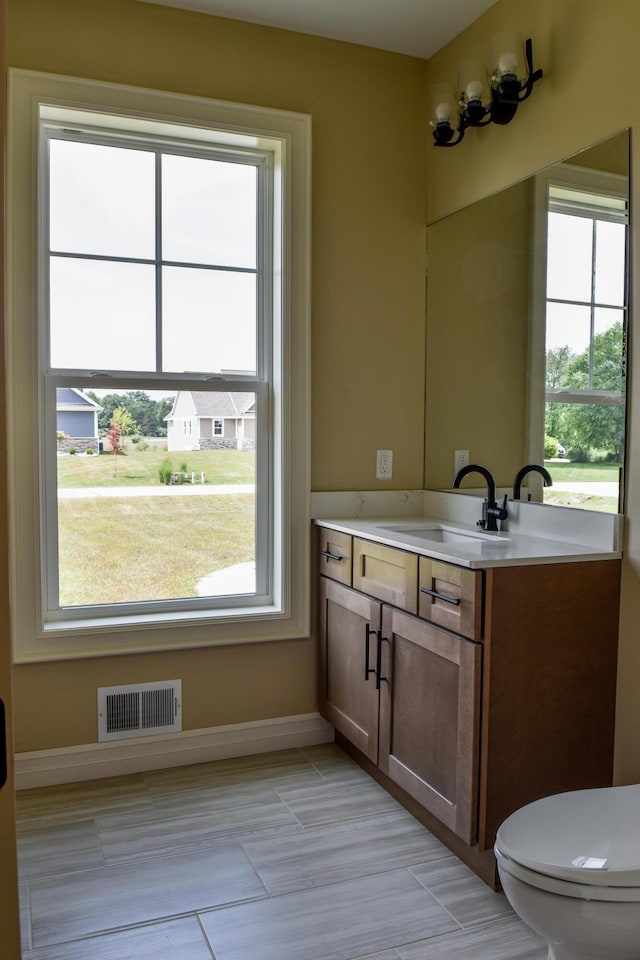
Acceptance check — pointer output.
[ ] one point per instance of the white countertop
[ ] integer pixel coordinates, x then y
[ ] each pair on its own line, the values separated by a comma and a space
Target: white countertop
479, 551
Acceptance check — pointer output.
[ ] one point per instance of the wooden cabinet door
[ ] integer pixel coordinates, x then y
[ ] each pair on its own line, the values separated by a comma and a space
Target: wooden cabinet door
429, 718
349, 622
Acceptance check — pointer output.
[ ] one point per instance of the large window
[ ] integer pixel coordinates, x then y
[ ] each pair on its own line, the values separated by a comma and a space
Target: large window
167, 350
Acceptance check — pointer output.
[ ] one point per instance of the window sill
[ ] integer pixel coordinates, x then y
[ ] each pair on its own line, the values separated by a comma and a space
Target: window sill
81, 639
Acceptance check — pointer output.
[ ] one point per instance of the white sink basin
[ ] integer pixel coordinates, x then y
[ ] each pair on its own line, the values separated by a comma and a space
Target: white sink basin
436, 533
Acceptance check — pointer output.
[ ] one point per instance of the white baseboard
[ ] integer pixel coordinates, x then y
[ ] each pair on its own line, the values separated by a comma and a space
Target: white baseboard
92, 761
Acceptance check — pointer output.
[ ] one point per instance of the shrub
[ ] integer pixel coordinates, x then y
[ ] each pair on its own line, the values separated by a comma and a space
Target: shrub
164, 471
89, 451
142, 446
60, 435
551, 447
580, 454
72, 451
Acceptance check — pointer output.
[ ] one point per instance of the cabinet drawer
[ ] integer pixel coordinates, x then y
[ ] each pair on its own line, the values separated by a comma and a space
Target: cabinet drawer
455, 600
334, 555
386, 573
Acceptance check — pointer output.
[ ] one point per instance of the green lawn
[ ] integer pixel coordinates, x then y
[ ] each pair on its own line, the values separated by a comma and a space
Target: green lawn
140, 467
127, 549
570, 472
117, 550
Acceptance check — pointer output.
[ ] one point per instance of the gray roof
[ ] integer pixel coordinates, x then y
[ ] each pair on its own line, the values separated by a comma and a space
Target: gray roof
223, 404
68, 397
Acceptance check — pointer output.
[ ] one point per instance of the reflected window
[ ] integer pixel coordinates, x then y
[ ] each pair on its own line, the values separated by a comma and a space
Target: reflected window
585, 340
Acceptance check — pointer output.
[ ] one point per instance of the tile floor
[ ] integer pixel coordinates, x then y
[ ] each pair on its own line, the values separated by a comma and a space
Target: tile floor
296, 855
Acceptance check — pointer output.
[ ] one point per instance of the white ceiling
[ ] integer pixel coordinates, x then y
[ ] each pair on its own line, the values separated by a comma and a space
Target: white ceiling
414, 27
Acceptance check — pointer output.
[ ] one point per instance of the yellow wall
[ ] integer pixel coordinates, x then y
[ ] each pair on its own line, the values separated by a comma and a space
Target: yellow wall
588, 50
369, 149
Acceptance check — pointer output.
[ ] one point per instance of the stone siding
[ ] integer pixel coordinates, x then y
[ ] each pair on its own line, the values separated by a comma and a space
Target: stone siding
224, 443
79, 444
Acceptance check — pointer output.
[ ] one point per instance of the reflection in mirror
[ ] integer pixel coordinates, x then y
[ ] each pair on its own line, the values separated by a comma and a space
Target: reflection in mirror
526, 332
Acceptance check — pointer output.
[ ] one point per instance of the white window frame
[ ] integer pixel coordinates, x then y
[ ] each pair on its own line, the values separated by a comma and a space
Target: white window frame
572, 177
284, 610
218, 427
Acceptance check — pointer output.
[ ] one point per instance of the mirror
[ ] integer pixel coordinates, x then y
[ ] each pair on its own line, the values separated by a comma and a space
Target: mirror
526, 331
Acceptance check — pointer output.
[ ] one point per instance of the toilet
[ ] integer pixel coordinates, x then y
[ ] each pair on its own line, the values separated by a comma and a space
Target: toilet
570, 867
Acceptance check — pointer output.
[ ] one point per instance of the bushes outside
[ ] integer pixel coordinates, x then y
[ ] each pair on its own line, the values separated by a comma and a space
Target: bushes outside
164, 471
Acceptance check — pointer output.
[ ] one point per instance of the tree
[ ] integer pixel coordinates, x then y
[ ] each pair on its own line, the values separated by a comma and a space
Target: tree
608, 368
148, 414
122, 418
558, 359
557, 362
590, 426
113, 433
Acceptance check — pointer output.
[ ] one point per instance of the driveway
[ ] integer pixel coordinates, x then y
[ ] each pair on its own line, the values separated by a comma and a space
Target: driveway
178, 490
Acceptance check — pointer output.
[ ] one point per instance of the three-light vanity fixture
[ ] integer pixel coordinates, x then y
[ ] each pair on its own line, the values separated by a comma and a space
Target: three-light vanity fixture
485, 96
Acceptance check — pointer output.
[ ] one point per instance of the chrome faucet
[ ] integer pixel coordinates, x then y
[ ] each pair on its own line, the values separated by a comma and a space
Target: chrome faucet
491, 512
530, 468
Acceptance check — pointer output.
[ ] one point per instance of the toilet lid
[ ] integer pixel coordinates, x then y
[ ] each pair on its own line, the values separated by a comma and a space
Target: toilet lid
586, 836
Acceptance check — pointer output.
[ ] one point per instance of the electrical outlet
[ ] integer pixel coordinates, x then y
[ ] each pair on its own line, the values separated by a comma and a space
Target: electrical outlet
460, 460
384, 464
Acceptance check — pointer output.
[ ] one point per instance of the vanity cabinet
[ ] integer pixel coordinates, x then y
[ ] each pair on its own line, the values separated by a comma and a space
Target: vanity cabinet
468, 710
406, 694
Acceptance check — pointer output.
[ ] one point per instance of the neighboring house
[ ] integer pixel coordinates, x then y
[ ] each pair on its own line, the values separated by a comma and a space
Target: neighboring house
212, 421
77, 419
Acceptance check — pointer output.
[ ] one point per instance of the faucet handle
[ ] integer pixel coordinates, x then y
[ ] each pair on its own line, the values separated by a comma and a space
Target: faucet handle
498, 513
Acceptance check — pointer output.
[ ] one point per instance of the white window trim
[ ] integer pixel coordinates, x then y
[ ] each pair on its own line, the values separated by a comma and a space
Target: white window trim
235, 124
570, 176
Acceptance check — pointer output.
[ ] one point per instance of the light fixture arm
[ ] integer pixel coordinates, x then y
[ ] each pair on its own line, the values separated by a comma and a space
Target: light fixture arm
532, 75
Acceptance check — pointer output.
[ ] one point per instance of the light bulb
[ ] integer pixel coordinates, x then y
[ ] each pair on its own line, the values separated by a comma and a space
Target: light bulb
443, 112
474, 90
507, 63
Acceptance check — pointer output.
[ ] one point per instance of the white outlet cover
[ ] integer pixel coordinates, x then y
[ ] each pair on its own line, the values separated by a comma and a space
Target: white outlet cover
384, 465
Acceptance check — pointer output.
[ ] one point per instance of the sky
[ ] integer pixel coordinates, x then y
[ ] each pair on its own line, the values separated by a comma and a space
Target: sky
571, 275
103, 312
